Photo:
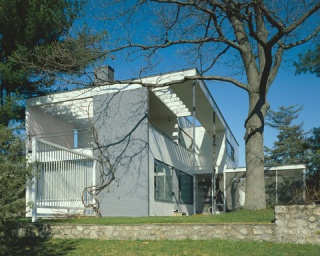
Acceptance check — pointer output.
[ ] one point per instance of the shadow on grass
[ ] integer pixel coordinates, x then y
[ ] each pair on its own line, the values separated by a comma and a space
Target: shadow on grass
20, 238
39, 247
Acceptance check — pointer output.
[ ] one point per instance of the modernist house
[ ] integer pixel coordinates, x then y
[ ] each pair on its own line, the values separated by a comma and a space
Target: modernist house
156, 144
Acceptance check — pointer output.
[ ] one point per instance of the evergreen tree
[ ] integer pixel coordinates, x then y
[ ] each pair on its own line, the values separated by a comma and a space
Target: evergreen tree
309, 62
291, 146
313, 174
13, 177
24, 26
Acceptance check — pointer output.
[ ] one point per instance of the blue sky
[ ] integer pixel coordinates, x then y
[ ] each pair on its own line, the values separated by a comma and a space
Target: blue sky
287, 89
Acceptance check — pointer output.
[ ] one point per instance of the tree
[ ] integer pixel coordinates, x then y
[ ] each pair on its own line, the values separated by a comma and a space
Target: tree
26, 25
13, 177
313, 174
291, 146
294, 146
309, 62
252, 35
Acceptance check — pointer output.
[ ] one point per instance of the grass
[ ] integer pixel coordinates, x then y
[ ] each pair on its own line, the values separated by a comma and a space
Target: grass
93, 247
84, 247
241, 216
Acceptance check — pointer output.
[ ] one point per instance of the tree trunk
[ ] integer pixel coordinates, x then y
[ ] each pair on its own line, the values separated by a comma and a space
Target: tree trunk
255, 187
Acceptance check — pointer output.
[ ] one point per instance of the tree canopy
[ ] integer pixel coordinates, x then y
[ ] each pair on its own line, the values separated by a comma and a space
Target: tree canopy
309, 62
24, 26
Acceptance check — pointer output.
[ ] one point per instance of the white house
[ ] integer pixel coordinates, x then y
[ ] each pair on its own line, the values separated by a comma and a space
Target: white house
159, 141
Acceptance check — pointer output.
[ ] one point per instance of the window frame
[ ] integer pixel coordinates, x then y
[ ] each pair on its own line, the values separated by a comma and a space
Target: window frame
165, 194
164, 188
180, 185
230, 150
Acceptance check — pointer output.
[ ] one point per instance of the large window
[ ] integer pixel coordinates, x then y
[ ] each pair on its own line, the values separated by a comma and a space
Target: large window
162, 181
165, 184
185, 187
230, 150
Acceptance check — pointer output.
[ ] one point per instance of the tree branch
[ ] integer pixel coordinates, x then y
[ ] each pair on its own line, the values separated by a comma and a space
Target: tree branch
245, 48
285, 31
188, 78
276, 66
302, 41
176, 42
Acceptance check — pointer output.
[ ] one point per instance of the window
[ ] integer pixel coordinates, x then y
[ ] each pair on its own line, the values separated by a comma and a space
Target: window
75, 138
162, 181
230, 150
185, 188
164, 185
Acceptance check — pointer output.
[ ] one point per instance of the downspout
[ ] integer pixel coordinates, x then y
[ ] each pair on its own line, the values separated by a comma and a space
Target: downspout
194, 144
94, 177
224, 189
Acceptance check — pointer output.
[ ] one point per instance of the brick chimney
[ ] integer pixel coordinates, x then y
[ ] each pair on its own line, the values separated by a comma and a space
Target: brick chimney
103, 75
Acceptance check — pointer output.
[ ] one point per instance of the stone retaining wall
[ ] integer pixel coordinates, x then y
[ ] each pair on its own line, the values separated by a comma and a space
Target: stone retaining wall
293, 224
170, 232
298, 224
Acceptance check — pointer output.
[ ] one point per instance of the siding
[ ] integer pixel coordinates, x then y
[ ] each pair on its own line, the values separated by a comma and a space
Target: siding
121, 122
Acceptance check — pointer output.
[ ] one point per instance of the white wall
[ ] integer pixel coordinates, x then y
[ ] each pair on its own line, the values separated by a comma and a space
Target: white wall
39, 124
166, 125
204, 142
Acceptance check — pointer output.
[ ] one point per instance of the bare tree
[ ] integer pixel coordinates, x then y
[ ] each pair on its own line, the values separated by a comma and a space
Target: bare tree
249, 35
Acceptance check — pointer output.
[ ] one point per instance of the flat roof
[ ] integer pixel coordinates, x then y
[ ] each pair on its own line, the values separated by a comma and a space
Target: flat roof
271, 168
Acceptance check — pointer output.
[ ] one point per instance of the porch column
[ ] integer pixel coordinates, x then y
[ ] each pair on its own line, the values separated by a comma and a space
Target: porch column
34, 180
214, 158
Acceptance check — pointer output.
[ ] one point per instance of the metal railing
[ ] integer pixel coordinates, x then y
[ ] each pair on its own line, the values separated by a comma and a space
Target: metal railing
60, 177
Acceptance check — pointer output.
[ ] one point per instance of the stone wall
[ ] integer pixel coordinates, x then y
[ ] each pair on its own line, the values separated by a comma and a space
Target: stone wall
170, 232
293, 224
298, 224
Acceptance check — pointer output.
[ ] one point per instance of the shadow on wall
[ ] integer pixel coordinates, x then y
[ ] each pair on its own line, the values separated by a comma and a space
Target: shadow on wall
121, 147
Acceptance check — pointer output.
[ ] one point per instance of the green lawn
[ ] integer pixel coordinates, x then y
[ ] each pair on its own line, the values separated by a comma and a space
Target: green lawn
241, 216
83, 247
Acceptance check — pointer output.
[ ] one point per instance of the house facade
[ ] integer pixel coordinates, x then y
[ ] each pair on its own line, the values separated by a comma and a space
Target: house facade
160, 141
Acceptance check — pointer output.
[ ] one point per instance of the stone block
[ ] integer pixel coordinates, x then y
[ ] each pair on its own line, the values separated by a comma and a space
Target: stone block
312, 219
244, 231
316, 211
